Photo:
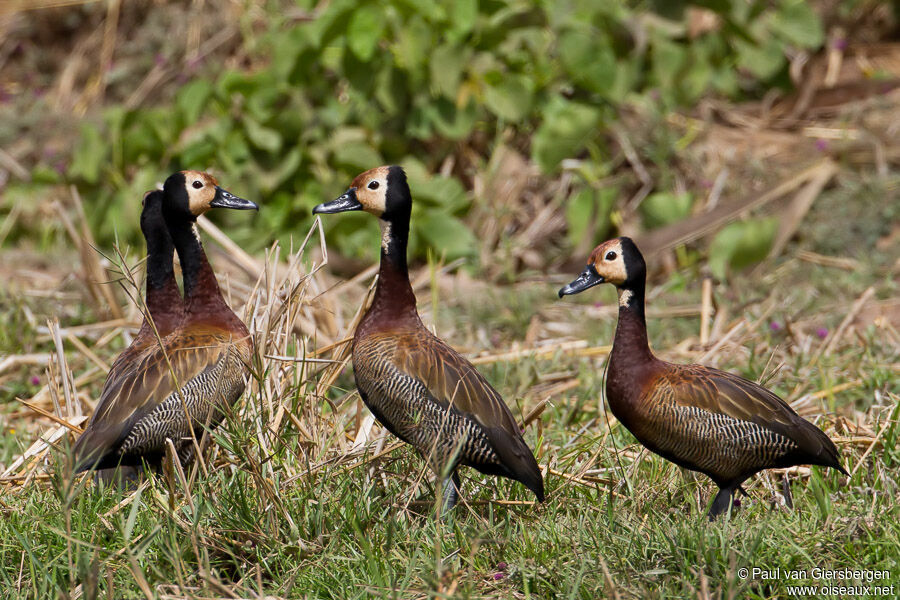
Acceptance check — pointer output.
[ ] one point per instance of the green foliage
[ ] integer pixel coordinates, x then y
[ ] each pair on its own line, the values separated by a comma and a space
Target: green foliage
664, 208
741, 244
361, 84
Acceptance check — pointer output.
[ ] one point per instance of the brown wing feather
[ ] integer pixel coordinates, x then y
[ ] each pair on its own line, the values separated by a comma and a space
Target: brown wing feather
453, 380
136, 387
728, 394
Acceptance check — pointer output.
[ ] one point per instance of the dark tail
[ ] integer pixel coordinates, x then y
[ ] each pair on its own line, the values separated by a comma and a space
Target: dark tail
517, 460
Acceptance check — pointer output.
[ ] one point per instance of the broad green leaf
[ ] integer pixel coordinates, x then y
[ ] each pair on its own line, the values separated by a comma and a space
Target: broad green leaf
271, 180
798, 23
446, 234
588, 59
90, 153
566, 128
510, 99
463, 14
741, 244
588, 210
262, 137
364, 30
664, 208
357, 156
579, 212
413, 45
451, 121
192, 98
762, 61
446, 67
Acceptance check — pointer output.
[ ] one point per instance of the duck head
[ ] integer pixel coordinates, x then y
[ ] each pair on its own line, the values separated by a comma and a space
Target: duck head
382, 191
616, 261
193, 193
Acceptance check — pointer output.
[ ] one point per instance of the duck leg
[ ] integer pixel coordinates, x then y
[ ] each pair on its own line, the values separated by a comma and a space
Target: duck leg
721, 502
786, 492
451, 487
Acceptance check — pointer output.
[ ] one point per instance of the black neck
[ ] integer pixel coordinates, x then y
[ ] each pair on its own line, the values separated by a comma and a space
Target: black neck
160, 269
393, 289
199, 280
631, 330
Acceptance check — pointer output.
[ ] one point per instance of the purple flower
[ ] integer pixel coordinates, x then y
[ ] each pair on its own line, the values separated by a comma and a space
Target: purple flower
35, 380
822, 333
839, 44
501, 566
598, 304
498, 576
706, 184
159, 59
775, 326
821, 145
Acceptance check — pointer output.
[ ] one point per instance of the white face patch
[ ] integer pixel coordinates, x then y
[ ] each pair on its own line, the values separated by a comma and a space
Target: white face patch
371, 190
201, 189
610, 263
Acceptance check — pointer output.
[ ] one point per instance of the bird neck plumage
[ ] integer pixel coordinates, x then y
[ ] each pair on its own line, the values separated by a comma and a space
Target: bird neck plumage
201, 289
163, 298
631, 330
394, 293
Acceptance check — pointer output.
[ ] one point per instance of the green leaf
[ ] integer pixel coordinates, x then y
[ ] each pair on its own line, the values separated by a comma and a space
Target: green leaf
589, 60
664, 208
463, 15
262, 137
357, 156
89, 155
566, 128
451, 121
579, 212
511, 98
414, 43
798, 23
192, 98
588, 212
446, 234
762, 61
741, 244
271, 180
446, 68
364, 30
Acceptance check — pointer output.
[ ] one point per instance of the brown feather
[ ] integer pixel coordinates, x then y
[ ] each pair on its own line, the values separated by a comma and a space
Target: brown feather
138, 387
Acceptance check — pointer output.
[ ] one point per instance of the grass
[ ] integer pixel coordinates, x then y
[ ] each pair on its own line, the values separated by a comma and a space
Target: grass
290, 508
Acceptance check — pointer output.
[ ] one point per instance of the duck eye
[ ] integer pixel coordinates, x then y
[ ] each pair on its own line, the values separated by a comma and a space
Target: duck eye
373, 185
197, 184
610, 256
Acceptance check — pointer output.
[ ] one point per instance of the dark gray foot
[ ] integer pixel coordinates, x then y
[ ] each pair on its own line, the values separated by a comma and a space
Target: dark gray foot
451, 487
720, 503
786, 491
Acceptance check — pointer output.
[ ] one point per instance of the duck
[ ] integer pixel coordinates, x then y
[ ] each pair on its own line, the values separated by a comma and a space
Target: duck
206, 355
415, 384
698, 417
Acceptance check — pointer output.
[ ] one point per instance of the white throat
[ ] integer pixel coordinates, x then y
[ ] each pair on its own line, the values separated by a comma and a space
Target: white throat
624, 296
385, 233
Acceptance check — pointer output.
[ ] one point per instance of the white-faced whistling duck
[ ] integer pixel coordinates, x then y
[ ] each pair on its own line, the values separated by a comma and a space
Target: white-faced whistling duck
205, 356
417, 386
698, 417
